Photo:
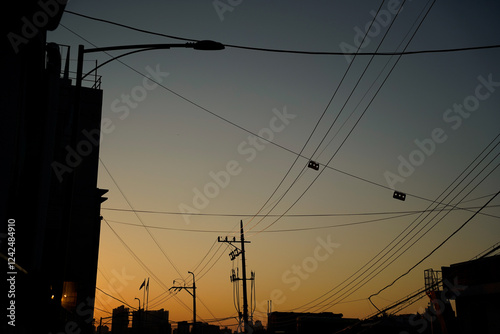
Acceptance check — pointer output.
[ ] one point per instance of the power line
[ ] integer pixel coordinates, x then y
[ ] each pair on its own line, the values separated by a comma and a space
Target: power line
410, 298
356, 123
274, 231
437, 247
249, 131
373, 274
461, 49
121, 301
309, 138
144, 266
109, 283
304, 215
140, 219
470, 182
331, 290
386, 253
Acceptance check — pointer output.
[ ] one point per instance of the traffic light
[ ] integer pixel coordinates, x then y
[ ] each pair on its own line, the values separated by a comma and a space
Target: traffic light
313, 164
399, 195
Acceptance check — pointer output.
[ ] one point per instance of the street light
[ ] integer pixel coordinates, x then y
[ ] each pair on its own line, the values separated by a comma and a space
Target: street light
205, 45
139, 317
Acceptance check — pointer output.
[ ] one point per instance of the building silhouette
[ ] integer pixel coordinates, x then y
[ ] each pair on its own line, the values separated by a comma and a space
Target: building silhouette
475, 287
182, 328
102, 329
296, 322
119, 320
50, 146
150, 322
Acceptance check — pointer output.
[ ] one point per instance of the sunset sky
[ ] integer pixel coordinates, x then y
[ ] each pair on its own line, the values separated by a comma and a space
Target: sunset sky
187, 143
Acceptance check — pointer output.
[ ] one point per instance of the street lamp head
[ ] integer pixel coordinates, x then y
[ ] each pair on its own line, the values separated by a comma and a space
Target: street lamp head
208, 45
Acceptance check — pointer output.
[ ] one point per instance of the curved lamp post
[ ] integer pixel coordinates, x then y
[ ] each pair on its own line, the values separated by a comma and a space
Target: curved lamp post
205, 45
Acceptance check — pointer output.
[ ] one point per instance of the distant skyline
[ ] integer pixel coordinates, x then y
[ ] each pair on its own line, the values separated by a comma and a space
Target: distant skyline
186, 143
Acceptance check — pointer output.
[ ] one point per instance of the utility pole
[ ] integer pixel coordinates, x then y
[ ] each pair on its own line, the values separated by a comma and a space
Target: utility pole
177, 288
243, 264
235, 253
194, 301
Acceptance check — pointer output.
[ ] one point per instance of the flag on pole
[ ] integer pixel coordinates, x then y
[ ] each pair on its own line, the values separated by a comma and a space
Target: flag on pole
143, 283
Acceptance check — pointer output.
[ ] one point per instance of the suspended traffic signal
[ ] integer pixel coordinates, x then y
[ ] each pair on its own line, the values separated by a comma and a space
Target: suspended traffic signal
399, 195
313, 164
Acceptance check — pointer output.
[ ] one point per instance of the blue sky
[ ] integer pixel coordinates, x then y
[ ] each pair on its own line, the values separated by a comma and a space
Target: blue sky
434, 114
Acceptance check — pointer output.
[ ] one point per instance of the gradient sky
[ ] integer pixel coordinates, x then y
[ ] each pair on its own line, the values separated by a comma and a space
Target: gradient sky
165, 146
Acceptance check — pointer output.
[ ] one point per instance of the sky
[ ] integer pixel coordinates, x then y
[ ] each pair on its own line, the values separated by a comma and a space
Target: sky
228, 135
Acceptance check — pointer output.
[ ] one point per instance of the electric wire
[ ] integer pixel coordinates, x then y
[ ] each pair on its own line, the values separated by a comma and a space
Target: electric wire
393, 66
411, 298
149, 232
457, 178
243, 128
109, 284
394, 240
326, 166
140, 219
470, 182
281, 230
290, 51
353, 127
246, 130
308, 139
344, 214
437, 247
143, 265
121, 301
204, 257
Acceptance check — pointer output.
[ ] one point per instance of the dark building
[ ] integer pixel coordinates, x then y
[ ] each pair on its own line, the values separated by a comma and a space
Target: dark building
102, 329
298, 323
49, 195
119, 320
205, 328
150, 322
182, 328
475, 286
